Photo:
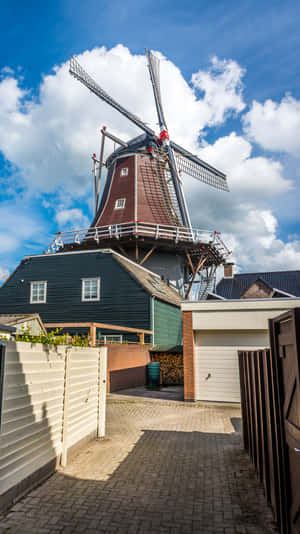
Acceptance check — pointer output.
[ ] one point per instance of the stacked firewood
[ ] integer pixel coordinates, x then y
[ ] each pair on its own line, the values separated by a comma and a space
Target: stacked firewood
171, 367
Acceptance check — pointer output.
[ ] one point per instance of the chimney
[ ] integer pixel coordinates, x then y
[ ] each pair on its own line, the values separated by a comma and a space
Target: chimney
228, 270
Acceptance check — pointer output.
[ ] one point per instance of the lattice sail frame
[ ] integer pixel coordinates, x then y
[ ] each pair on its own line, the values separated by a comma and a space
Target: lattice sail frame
200, 172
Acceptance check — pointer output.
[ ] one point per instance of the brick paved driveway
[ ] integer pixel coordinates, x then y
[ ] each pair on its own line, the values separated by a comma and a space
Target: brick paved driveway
165, 466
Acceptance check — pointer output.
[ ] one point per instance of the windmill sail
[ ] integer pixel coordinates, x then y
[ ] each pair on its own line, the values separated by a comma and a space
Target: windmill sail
199, 169
153, 65
80, 74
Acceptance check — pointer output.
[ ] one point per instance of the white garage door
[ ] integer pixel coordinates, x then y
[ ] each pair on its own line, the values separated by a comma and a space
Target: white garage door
216, 362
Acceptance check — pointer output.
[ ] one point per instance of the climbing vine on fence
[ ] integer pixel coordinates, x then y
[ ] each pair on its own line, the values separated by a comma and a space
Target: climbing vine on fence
55, 337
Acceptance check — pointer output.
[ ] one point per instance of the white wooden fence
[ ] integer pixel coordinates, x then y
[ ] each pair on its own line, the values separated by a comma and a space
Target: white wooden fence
52, 398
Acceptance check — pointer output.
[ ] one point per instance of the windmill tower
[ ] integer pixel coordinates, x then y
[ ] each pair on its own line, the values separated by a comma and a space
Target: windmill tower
143, 212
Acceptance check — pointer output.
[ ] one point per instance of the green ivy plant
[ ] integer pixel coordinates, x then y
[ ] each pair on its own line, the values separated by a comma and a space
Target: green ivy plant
54, 338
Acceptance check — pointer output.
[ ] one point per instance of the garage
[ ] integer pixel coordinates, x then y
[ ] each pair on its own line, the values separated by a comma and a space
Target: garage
216, 363
213, 333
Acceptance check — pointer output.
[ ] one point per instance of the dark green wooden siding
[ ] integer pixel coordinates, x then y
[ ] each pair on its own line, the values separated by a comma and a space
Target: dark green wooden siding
167, 324
122, 300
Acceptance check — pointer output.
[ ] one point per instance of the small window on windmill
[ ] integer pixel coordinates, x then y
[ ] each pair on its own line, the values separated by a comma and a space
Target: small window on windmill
120, 203
124, 171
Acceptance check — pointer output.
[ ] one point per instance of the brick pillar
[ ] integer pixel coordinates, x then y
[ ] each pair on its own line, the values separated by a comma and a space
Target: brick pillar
228, 270
188, 356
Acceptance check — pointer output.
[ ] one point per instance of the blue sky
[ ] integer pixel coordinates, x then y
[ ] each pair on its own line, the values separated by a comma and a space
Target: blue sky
262, 39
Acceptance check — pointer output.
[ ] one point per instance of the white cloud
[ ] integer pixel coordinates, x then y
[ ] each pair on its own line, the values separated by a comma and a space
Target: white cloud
258, 247
256, 175
222, 87
71, 219
10, 96
7, 70
4, 273
275, 126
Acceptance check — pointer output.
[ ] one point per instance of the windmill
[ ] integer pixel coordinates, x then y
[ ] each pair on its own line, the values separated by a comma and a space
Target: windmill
143, 206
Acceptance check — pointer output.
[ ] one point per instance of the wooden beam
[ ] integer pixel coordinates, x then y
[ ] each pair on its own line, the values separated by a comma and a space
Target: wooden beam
136, 252
147, 255
67, 325
123, 328
99, 325
190, 261
200, 263
93, 334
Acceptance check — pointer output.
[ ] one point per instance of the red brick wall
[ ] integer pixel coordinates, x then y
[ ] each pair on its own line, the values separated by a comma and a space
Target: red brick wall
188, 356
126, 366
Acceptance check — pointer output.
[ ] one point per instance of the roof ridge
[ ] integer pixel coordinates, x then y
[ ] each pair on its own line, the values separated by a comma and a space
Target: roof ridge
268, 272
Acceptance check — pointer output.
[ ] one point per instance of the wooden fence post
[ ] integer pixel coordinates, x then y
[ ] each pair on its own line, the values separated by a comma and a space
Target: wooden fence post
93, 335
142, 339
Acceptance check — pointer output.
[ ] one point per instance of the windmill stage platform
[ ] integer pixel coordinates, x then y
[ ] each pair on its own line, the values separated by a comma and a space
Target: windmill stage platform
144, 238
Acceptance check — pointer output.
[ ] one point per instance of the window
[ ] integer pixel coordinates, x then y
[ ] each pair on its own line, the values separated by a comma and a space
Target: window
90, 289
120, 204
38, 292
124, 171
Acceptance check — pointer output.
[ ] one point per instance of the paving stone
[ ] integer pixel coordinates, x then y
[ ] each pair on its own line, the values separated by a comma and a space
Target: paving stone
164, 467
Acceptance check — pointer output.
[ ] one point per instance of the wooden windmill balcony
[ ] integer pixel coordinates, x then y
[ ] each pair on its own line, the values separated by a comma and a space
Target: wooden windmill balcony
163, 237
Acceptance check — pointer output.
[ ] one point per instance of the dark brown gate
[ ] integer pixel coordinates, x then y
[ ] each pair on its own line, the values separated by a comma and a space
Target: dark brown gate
270, 396
285, 344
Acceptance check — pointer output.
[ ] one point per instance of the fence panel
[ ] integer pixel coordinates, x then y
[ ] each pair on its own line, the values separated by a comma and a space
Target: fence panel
44, 413
270, 395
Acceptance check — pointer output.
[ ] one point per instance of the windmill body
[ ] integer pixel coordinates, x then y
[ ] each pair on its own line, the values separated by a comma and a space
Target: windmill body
142, 180
142, 212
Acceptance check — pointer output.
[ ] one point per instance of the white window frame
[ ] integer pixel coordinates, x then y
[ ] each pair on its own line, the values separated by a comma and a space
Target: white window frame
45, 292
124, 171
83, 297
117, 207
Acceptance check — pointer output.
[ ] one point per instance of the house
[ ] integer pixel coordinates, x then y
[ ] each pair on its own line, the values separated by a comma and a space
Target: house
21, 322
213, 333
94, 285
278, 284
7, 332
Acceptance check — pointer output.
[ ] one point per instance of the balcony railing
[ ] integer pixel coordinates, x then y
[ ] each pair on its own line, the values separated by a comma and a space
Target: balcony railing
177, 234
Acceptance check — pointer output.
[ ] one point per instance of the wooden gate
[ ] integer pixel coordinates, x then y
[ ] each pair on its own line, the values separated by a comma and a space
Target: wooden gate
285, 344
270, 396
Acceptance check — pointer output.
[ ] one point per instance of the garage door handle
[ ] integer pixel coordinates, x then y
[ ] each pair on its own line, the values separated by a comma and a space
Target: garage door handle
297, 450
